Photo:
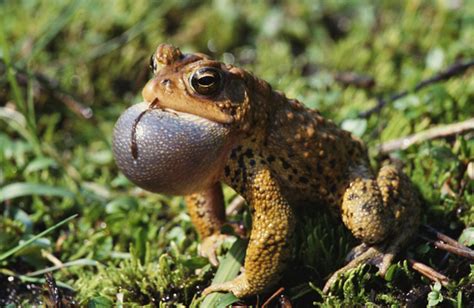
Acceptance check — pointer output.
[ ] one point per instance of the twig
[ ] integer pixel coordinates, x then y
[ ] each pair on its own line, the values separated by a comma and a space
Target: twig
466, 253
451, 71
53, 259
448, 244
429, 272
355, 79
235, 205
277, 292
429, 134
443, 237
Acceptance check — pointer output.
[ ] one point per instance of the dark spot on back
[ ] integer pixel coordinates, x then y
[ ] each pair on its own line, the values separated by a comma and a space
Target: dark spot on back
241, 162
244, 173
270, 158
237, 173
352, 196
249, 153
303, 179
284, 163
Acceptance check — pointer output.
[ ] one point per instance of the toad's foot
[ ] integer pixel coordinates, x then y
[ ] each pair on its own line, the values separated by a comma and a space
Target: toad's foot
209, 246
379, 255
365, 255
240, 287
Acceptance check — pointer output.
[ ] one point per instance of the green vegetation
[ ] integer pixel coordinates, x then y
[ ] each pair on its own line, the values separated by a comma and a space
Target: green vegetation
62, 60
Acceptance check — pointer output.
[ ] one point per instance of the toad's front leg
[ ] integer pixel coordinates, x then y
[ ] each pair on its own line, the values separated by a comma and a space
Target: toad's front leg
273, 223
207, 213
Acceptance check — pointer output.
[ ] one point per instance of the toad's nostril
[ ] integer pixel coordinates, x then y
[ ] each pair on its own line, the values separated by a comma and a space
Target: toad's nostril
165, 82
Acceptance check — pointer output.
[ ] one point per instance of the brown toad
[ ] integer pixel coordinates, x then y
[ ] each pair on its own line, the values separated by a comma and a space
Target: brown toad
277, 154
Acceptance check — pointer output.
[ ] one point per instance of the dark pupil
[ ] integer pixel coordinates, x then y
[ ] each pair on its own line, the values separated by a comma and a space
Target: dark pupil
207, 80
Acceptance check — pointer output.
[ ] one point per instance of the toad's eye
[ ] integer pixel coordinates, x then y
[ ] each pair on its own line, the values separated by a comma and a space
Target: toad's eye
206, 81
153, 65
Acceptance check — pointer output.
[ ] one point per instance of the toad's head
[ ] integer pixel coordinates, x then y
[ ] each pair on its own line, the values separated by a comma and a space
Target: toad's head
199, 85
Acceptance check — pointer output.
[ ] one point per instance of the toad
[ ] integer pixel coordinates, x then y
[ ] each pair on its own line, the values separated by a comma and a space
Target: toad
272, 150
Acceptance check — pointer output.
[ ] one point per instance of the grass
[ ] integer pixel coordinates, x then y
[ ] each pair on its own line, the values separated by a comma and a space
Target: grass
59, 61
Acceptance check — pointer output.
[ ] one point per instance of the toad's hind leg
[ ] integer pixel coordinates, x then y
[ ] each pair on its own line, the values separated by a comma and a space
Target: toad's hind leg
383, 213
398, 194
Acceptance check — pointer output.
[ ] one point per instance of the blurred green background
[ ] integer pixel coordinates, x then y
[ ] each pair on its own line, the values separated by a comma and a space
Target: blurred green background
69, 68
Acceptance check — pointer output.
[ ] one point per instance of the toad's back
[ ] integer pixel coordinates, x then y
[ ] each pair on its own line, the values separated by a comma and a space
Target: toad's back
309, 155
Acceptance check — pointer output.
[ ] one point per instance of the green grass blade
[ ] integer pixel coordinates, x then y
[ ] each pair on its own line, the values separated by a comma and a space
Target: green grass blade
30, 104
31, 240
16, 190
78, 262
228, 269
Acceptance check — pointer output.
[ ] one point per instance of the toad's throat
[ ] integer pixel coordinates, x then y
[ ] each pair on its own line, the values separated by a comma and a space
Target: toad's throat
133, 144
